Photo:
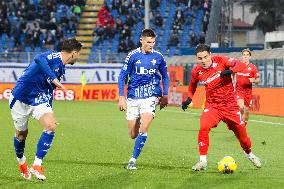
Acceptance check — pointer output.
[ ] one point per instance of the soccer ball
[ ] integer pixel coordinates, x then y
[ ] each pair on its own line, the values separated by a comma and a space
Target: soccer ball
227, 165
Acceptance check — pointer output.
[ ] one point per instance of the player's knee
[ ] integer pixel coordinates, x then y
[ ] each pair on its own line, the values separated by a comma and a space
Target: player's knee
50, 126
204, 128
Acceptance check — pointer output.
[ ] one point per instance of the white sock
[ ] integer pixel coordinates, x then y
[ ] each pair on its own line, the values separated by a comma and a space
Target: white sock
203, 158
132, 159
37, 161
21, 160
249, 155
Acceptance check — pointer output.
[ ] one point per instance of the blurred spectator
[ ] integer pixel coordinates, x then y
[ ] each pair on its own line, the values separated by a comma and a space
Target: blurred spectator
138, 15
124, 8
206, 5
122, 48
129, 21
49, 40
193, 39
119, 24
59, 33
98, 34
126, 32
205, 21
158, 20
174, 41
37, 42
178, 20
130, 44
33, 22
154, 4
202, 38
109, 32
77, 10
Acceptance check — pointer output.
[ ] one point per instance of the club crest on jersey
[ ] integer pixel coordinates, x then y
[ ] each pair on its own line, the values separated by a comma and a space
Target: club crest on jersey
154, 61
138, 62
200, 72
249, 68
214, 65
56, 70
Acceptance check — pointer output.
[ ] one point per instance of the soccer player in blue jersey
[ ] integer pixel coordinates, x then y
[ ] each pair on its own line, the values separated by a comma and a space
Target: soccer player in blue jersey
33, 95
144, 66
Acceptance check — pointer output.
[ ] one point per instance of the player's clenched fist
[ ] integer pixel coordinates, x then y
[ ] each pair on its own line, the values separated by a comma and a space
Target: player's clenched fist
122, 103
185, 104
163, 101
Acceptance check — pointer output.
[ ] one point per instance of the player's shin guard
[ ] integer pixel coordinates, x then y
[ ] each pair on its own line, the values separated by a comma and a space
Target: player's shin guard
139, 144
44, 143
19, 147
203, 141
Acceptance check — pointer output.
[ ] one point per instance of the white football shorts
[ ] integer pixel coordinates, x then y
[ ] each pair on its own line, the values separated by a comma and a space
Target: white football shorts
136, 107
21, 112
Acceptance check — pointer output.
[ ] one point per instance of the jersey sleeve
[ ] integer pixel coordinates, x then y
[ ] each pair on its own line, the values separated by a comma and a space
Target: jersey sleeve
235, 64
125, 71
255, 72
165, 77
44, 67
193, 83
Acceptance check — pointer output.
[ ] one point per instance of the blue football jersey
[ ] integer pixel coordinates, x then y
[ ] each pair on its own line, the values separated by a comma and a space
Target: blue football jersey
35, 85
145, 72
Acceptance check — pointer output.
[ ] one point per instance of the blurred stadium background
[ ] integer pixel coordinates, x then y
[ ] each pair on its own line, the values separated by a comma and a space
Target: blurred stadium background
110, 28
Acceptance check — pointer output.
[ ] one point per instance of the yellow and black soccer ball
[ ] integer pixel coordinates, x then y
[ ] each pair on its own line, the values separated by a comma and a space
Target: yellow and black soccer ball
227, 165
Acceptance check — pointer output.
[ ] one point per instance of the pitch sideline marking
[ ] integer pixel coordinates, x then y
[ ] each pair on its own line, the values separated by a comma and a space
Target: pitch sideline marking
252, 120
193, 113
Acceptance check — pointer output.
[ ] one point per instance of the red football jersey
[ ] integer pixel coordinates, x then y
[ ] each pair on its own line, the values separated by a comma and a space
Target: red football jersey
219, 91
243, 84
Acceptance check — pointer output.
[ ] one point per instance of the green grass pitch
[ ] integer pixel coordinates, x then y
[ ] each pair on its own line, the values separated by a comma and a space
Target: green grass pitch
92, 147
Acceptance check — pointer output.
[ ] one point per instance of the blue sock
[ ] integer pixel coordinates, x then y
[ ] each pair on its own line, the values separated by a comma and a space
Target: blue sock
19, 147
139, 144
44, 143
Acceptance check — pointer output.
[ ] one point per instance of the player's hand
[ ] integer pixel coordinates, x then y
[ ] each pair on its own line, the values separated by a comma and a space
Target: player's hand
185, 104
251, 80
58, 84
163, 101
122, 103
225, 73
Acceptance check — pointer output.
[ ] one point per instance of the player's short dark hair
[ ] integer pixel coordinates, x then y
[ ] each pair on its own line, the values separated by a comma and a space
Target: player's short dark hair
148, 33
70, 45
246, 50
201, 48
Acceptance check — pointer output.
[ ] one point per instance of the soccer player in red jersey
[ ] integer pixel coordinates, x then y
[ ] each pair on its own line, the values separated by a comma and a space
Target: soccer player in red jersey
244, 81
221, 104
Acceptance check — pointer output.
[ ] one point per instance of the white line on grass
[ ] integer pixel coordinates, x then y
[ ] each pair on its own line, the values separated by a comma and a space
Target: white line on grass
193, 113
252, 120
